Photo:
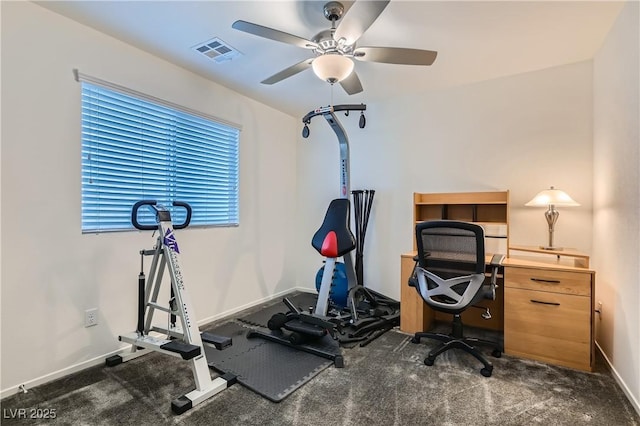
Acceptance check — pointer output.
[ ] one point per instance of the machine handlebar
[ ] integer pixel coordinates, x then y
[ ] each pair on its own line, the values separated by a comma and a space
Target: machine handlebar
158, 209
187, 219
319, 111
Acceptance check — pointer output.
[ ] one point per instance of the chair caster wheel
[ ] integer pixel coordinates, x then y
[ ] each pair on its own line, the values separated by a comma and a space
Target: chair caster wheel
429, 362
486, 372
496, 353
415, 339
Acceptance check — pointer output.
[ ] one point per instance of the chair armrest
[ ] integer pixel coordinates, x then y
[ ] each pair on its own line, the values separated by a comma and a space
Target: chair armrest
496, 260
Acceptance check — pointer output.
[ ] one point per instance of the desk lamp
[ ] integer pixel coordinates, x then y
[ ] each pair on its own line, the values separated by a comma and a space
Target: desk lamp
551, 198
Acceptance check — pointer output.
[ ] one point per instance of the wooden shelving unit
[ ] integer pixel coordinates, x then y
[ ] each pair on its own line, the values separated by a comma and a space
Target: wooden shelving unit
489, 209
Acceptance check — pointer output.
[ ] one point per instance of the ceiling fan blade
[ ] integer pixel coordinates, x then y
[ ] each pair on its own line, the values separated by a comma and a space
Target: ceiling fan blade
288, 72
272, 34
395, 55
357, 19
352, 84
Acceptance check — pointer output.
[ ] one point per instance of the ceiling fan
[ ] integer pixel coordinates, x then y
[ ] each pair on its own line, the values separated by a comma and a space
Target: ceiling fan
335, 47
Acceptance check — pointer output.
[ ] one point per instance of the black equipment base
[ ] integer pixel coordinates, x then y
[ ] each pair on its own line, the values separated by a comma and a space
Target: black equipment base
363, 332
283, 339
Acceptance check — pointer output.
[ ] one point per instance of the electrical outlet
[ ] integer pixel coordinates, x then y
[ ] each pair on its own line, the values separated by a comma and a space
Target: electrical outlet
91, 317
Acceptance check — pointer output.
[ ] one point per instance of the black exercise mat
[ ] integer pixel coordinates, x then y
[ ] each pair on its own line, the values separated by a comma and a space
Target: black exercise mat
271, 370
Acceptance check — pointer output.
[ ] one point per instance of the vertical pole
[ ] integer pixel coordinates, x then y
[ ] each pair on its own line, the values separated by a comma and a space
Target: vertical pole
141, 295
362, 200
322, 305
357, 207
172, 305
345, 186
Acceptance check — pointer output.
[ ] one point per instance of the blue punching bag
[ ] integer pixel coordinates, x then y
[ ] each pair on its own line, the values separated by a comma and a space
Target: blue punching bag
339, 285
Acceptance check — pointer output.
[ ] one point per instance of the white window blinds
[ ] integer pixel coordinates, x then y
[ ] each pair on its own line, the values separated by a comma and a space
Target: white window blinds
134, 149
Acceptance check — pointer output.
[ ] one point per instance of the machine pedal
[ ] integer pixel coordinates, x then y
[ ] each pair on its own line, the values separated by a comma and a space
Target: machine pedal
186, 350
220, 342
305, 328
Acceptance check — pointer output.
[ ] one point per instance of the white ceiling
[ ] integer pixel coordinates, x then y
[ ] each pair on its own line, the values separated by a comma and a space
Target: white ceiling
475, 40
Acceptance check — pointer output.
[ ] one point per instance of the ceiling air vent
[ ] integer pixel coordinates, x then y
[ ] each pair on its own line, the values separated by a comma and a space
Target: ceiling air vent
217, 50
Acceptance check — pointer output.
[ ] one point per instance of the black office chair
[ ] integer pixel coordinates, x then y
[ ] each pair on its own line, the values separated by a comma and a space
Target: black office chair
450, 277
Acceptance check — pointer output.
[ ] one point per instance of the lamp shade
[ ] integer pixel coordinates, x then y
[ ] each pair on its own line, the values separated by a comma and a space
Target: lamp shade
332, 68
552, 197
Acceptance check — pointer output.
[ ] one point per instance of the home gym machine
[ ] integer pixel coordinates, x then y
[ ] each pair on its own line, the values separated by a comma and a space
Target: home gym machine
182, 340
345, 309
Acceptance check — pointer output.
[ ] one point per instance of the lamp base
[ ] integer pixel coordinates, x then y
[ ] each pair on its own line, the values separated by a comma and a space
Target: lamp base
551, 248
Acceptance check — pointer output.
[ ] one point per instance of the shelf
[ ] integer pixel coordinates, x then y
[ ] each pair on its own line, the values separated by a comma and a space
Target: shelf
580, 260
496, 197
488, 209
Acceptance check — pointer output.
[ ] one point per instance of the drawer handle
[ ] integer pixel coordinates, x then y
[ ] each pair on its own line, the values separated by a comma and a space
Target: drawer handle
540, 280
545, 303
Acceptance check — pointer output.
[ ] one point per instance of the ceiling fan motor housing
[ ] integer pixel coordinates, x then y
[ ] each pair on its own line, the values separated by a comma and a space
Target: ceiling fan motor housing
333, 10
328, 45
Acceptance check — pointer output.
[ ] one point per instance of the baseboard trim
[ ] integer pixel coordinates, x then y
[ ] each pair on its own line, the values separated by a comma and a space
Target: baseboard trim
24, 387
632, 399
230, 312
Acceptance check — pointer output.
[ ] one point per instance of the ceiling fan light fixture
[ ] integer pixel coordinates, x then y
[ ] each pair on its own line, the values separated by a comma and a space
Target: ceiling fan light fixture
332, 68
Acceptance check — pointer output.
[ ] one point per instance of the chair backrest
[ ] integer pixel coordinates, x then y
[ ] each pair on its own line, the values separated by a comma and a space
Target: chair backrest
451, 263
448, 242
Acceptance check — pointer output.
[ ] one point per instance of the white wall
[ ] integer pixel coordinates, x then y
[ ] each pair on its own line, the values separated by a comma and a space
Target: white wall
616, 216
51, 273
522, 133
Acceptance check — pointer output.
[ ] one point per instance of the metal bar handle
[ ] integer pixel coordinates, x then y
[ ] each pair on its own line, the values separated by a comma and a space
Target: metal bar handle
544, 303
333, 108
540, 280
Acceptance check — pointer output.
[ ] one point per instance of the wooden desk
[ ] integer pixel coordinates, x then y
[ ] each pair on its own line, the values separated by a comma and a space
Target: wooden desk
545, 308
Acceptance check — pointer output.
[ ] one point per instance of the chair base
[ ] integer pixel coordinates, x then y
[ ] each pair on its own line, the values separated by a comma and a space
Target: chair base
467, 344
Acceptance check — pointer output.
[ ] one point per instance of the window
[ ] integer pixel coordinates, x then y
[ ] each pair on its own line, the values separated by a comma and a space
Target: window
135, 149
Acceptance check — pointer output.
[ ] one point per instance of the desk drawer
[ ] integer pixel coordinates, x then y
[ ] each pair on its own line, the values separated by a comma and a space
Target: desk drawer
577, 283
548, 326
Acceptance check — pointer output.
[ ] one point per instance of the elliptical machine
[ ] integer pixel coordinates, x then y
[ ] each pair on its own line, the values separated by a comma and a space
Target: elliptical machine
183, 340
361, 314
